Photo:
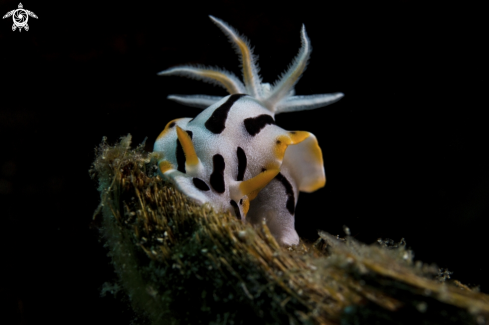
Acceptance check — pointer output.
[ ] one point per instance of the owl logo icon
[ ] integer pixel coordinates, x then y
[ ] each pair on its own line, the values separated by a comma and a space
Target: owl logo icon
20, 17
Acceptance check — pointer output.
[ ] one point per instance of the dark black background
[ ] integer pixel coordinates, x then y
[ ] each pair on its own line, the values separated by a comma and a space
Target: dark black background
405, 150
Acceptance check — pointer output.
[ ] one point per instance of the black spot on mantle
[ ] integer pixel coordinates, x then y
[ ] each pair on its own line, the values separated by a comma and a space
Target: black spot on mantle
181, 155
242, 161
217, 176
217, 121
288, 191
200, 184
255, 124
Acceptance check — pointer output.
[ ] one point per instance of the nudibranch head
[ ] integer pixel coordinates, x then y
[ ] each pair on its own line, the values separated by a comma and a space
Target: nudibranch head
232, 155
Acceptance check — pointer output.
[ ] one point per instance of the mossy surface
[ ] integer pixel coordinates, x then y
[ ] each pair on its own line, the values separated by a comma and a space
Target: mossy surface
180, 263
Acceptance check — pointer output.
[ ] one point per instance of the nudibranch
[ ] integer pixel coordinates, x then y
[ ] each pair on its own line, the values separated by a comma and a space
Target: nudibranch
232, 155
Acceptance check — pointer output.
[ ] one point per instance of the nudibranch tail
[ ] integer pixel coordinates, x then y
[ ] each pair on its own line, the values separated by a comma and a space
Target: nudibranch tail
212, 75
251, 76
288, 80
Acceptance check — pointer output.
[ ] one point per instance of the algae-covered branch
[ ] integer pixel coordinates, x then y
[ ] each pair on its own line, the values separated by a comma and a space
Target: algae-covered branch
181, 263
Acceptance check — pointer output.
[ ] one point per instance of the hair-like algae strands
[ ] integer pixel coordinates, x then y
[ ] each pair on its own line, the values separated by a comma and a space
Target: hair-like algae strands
180, 263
